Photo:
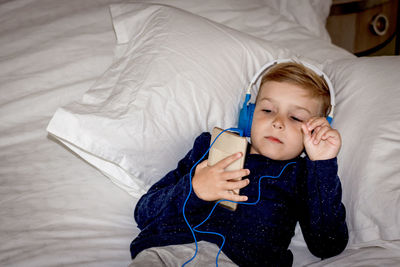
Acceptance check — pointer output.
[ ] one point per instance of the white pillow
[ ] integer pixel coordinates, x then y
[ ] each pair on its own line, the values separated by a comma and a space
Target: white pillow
284, 23
311, 14
178, 76
256, 16
368, 117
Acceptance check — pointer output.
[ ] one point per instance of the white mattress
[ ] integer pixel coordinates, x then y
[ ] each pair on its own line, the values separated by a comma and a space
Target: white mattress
55, 209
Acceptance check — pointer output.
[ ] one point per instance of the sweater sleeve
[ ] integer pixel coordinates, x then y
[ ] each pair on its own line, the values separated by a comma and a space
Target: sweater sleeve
168, 195
321, 213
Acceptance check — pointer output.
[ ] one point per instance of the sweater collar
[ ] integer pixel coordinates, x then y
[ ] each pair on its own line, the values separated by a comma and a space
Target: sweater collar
263, 160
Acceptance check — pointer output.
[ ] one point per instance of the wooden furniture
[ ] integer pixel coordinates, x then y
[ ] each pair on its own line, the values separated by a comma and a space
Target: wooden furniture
364, 26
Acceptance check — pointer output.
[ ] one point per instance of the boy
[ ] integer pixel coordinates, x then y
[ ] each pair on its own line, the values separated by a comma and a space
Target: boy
289, 118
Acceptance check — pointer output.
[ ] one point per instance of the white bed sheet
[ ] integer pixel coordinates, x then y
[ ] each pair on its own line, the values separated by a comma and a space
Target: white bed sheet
55, 209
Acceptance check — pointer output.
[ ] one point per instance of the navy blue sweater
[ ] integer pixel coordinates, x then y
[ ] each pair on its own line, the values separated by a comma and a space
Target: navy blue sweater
308, 192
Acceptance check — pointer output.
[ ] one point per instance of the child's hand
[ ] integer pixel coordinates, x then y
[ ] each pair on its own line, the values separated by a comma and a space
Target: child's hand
320, 140
214, 183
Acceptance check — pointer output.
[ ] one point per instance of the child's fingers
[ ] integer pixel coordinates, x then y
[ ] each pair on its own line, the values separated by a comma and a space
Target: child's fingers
315, 122
305, 130
234, 197
229, 160
319, 133
333, 135
235, 185
231, 175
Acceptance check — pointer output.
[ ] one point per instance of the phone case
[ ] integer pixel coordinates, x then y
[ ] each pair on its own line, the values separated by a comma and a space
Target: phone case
227, 144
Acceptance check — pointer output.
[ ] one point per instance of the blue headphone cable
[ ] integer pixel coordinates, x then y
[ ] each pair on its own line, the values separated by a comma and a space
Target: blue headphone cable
194, 229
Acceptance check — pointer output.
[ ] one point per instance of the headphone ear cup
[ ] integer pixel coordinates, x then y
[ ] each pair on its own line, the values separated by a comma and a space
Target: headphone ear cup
246, 119
250, 113
246, 116
243, 118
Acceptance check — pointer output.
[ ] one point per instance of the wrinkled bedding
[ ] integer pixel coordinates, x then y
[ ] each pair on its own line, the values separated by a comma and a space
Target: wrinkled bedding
55, 208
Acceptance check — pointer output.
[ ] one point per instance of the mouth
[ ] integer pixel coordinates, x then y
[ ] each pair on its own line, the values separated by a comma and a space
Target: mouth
274, 139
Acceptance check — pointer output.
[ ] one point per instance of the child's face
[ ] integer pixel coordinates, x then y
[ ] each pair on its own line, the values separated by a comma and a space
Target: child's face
280, 110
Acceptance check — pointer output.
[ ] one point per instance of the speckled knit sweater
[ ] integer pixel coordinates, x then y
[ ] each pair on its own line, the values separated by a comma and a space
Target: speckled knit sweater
308, 192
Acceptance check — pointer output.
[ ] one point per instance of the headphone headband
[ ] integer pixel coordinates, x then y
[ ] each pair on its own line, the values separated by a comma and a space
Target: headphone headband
246, 113
319, 72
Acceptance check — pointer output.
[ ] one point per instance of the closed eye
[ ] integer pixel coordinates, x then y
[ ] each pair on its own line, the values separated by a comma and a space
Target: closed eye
296, 119
267, 110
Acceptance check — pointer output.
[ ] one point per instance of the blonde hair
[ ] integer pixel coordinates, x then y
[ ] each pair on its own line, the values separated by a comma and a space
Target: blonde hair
297, 74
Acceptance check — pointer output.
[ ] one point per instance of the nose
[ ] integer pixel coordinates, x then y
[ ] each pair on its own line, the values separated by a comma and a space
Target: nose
278, 124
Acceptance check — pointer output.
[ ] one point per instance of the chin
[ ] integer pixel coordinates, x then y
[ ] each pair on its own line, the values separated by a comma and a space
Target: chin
273, 153
278, 156
273, 156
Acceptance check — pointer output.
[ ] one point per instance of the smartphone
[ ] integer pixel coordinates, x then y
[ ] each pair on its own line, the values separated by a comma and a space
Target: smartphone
228, 143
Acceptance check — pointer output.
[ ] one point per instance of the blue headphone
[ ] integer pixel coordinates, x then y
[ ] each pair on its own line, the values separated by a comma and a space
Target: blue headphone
247, 111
